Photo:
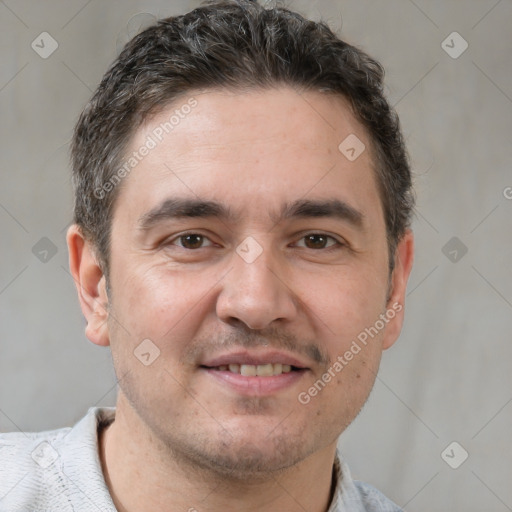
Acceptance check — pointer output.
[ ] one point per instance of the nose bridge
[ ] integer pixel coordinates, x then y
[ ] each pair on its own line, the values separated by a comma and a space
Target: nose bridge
255, 269
254, 292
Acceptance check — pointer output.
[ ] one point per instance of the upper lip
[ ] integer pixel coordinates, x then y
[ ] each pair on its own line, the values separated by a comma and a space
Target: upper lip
254, 358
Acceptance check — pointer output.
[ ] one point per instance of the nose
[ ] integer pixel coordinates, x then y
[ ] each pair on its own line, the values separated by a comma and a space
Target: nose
257, 293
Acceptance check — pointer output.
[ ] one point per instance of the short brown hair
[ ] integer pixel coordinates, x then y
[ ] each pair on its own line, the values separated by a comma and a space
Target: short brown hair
237, 45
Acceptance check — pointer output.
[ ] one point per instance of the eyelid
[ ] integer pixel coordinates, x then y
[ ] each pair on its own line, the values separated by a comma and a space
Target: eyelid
337, 245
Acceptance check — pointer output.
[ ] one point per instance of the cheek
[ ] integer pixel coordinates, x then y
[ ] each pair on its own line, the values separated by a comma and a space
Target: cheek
349, 309
347, 305
154, 301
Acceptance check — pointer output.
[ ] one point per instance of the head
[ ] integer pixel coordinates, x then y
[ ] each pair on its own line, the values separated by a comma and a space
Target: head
242, 194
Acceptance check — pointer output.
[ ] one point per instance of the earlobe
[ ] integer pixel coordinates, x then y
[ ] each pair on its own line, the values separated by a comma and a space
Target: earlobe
404, 256
90, 284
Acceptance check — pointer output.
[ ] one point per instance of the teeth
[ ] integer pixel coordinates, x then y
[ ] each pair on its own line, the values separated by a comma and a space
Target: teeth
248, 370
265, 370
260, 370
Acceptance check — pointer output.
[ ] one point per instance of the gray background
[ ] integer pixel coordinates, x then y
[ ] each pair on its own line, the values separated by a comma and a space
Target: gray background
447, 379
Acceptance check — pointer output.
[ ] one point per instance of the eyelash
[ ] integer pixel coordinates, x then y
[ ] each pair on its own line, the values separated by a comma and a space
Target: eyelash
336, 246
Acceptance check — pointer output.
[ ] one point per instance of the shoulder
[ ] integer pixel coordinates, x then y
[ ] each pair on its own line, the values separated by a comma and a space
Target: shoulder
45, 470
373, 500
26, 461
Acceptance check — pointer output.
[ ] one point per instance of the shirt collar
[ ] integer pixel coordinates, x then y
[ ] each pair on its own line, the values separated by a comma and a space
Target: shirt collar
346, 496
86, 475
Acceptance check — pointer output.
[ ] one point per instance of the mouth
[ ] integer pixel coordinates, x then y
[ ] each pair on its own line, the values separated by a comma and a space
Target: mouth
252, 370
255, 374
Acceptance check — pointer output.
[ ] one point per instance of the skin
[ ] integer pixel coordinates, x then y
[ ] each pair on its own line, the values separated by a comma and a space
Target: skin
181, 437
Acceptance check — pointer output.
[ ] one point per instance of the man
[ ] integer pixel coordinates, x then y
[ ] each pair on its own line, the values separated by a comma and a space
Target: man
242, 243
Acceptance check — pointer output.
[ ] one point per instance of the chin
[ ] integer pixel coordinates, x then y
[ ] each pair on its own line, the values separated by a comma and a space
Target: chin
245, 454
254, 461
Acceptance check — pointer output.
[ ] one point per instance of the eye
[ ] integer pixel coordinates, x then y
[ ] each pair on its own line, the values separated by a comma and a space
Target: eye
190, 241
315, 241
320, 241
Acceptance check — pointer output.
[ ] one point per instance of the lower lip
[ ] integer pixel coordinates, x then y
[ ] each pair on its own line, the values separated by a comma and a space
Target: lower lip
256, 386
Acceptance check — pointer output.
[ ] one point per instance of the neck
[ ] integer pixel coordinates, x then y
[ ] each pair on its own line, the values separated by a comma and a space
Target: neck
141, 476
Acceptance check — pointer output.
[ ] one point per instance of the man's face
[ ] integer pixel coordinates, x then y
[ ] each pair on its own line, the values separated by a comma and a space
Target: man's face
253, 289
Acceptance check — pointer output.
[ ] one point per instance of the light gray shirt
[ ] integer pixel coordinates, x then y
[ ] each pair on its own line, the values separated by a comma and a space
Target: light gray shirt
60, 471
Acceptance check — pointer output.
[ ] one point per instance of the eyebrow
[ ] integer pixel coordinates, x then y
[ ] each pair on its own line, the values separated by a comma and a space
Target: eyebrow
179, 208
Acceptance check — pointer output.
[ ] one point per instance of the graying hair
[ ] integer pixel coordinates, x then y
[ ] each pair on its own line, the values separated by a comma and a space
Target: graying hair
235, 45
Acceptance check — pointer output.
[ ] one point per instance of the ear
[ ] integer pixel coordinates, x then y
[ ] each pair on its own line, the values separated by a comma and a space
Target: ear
90, 284
404, 256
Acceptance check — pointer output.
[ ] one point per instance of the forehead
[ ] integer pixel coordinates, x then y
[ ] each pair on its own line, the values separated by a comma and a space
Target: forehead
268, 147
261, 118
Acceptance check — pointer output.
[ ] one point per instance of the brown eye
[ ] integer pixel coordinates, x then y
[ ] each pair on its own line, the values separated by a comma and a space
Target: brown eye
319, 241
190, 241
